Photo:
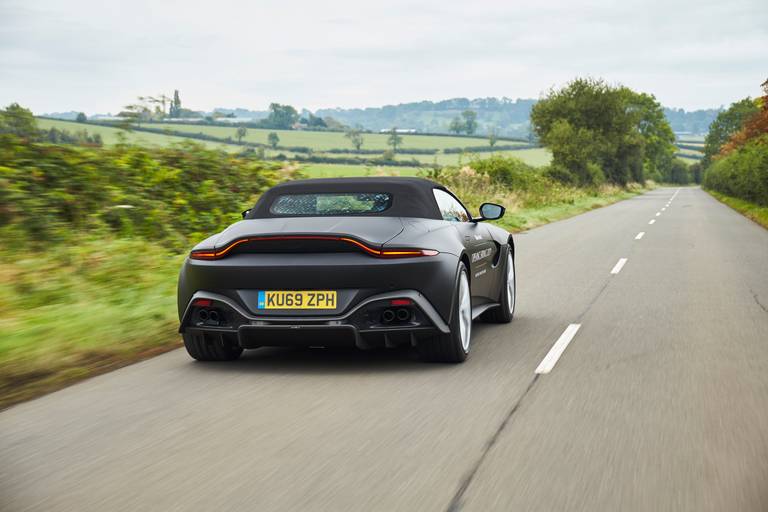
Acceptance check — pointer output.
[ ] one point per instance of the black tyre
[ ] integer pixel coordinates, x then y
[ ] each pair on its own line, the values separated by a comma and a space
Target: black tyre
211, 347
454, 346
506, 310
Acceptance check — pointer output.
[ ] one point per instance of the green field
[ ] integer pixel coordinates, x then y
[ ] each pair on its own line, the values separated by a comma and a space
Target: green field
692, 152
111, 135
320, 141
536, 157
691, 139
340, 171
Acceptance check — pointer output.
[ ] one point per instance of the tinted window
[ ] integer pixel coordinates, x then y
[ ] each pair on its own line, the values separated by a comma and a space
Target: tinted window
449, 207
353, 203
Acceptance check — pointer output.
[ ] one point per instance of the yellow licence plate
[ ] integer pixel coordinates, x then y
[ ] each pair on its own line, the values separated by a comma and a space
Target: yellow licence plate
300, 299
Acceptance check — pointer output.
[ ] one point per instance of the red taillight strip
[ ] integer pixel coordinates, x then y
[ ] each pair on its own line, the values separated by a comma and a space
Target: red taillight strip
402, 253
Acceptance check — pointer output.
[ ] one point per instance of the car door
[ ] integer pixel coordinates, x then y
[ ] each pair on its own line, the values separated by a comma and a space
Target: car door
478, 243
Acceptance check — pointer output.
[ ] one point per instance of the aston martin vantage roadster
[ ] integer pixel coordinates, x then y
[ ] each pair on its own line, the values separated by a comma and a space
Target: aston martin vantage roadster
357, 262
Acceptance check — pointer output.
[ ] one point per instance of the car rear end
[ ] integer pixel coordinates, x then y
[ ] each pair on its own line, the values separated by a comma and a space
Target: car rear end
275, 283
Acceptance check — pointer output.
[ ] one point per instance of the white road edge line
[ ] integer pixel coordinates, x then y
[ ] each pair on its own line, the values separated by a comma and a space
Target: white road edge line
640, 235
557, 349
651, 221
618, 266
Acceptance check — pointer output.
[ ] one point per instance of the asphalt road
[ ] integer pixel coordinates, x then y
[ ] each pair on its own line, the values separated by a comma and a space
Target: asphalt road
659, 402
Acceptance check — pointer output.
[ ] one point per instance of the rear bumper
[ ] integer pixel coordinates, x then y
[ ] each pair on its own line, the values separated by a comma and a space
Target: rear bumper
359, 327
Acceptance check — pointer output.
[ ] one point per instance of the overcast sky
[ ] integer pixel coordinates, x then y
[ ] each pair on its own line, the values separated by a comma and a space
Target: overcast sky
97, 56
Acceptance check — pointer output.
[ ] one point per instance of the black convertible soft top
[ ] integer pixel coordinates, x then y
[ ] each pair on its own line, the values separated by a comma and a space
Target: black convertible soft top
411, 197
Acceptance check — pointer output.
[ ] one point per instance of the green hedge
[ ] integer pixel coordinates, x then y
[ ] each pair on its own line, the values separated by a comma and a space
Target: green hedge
742, 173
174, 194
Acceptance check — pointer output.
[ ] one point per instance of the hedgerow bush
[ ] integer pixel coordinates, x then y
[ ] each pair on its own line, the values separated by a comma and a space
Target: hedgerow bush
173, 194
742, 173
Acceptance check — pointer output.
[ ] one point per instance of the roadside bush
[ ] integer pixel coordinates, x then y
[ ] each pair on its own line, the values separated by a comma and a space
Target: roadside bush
511, 172
559, 173
173, 194
742, 173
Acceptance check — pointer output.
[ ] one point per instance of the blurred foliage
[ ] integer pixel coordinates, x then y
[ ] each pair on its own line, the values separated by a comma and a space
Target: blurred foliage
171, 195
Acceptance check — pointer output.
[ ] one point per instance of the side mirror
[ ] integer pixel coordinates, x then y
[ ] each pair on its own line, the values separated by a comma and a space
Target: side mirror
246, 212
491, 211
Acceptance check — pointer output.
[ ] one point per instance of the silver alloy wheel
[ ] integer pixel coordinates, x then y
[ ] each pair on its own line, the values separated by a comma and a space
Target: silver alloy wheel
465, 312
510, 284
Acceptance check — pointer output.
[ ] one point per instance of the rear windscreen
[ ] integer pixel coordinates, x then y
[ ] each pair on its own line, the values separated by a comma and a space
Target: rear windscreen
336, 203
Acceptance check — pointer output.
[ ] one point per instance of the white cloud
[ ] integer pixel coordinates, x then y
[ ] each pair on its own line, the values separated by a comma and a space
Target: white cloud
99, 55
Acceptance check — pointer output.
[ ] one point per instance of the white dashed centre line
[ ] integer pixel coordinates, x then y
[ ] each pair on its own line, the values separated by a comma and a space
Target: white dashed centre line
640, 235
663, 209
618, 266
651, 221
658, 213
557, 349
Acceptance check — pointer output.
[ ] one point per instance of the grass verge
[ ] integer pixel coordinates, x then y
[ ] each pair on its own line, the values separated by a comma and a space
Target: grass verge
83, 309
751, 211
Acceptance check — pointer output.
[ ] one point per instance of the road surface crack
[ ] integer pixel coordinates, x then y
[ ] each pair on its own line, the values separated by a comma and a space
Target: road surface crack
754, 296
456, 502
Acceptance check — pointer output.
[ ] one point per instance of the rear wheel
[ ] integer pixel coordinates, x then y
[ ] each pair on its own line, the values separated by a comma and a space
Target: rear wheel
506, 310
452, 347
211, 347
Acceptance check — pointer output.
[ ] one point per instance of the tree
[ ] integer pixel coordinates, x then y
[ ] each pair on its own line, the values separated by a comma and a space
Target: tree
658, 150
492, 137
679, 173
159, 101
470, 121
333, 124
456, 126
355, 136
726, 124
273, 139
240, 133
696, 172
394, 140
312, 121
175, 110
282, 117
135, 113
19, 121
593, 128
81, 118
754, 126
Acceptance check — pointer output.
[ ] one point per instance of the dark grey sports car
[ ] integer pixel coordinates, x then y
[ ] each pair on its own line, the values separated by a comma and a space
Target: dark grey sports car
365, 262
